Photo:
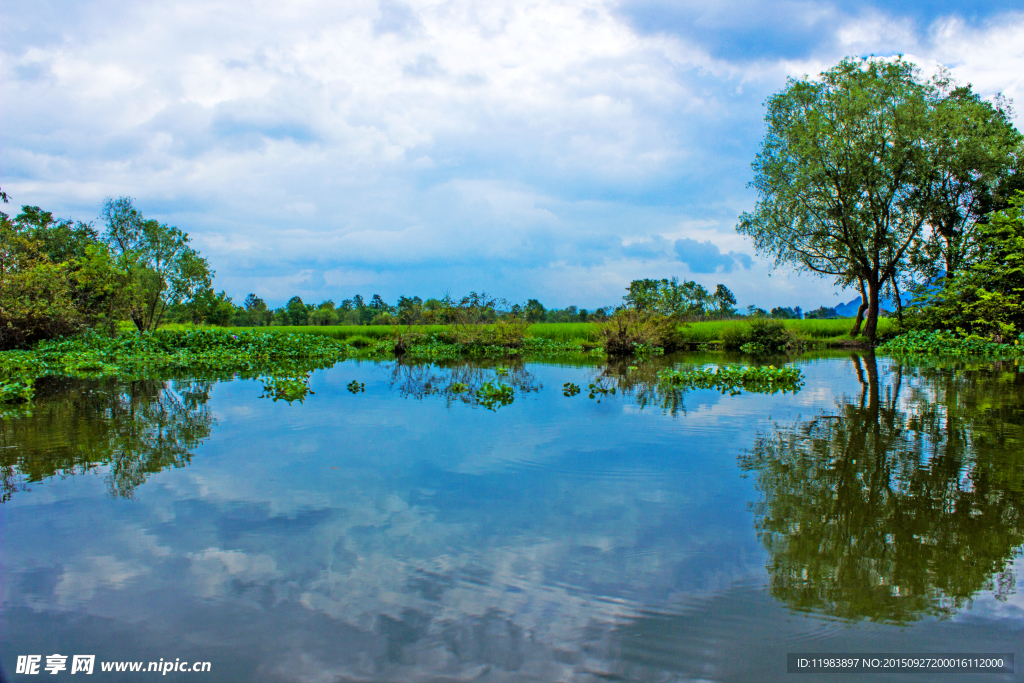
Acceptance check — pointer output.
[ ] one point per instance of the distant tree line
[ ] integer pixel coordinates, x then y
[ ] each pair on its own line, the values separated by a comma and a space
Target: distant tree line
686, 301
408, 310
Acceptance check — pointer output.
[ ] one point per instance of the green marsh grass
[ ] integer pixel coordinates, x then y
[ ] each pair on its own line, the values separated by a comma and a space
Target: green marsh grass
701, 332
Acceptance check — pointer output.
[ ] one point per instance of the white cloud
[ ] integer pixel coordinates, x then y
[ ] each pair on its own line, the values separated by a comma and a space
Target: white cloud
398, 139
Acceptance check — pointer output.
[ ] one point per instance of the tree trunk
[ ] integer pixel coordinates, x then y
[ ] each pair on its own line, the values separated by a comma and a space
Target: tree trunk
860, 311
872, 370
899, 301
871, 324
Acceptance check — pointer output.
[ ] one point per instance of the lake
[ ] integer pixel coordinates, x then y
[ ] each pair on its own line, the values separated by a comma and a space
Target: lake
394, 527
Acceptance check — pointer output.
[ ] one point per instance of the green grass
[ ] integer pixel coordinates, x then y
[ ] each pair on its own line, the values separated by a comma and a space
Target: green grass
710, 331
565, 331
344, 332
554, 331
703, 332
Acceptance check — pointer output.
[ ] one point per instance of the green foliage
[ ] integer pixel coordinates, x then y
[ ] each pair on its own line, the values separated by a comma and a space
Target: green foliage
845, 174
55, 279
821, 313
286, 387
730, 379
976, 149
644, 351
569, 389
786, 313
723, 300
670, 298
163, 270
17, 379
195, 350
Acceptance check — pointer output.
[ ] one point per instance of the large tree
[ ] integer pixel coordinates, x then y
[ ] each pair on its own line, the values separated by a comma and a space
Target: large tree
844, 174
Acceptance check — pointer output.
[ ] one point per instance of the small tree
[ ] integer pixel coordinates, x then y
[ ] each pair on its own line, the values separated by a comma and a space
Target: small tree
296, 311
667, 297
324, 316
724, 301
164, 270
988, 297
534, 311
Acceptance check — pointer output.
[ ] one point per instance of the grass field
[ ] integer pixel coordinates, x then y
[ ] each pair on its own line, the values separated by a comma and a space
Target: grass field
704, 332
709, 331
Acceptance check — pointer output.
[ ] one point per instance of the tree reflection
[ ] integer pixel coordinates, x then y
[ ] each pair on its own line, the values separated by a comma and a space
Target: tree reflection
641, 382
906, 502
134, 428
460, 380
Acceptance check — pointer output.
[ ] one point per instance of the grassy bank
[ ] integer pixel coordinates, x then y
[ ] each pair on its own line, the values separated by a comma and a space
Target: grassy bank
828, 332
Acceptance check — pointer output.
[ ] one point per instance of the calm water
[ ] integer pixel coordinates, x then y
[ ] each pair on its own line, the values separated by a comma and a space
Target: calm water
405, 533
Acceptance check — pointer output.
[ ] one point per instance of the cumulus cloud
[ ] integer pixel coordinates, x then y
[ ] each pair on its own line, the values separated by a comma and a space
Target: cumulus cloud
705, 257
416, 143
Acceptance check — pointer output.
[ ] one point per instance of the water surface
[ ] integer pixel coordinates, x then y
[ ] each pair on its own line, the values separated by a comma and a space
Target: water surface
405, 532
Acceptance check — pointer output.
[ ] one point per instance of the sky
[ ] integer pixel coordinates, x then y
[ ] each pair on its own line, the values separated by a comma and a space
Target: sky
530, 149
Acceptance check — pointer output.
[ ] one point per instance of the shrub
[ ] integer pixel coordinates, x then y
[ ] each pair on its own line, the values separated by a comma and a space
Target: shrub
771, 334
735, 336
760, 336
630, 329
508, 333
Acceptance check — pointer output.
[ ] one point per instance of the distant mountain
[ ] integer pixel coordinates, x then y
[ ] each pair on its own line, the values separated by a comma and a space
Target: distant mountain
848, 310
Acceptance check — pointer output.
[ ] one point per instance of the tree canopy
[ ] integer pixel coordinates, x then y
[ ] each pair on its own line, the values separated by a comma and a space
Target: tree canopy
870, 164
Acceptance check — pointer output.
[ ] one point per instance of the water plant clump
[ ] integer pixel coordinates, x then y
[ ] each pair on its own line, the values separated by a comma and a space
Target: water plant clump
286, 388
494, 395
600, 388
945, 343
93, 355
731, 379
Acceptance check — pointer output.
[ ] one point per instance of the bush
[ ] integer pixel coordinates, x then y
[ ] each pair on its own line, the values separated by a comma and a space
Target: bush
771, 334
630, 329
735, 336
761, 335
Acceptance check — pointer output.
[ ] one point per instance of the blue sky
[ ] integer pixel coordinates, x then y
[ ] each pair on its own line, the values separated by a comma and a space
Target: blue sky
550, 150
